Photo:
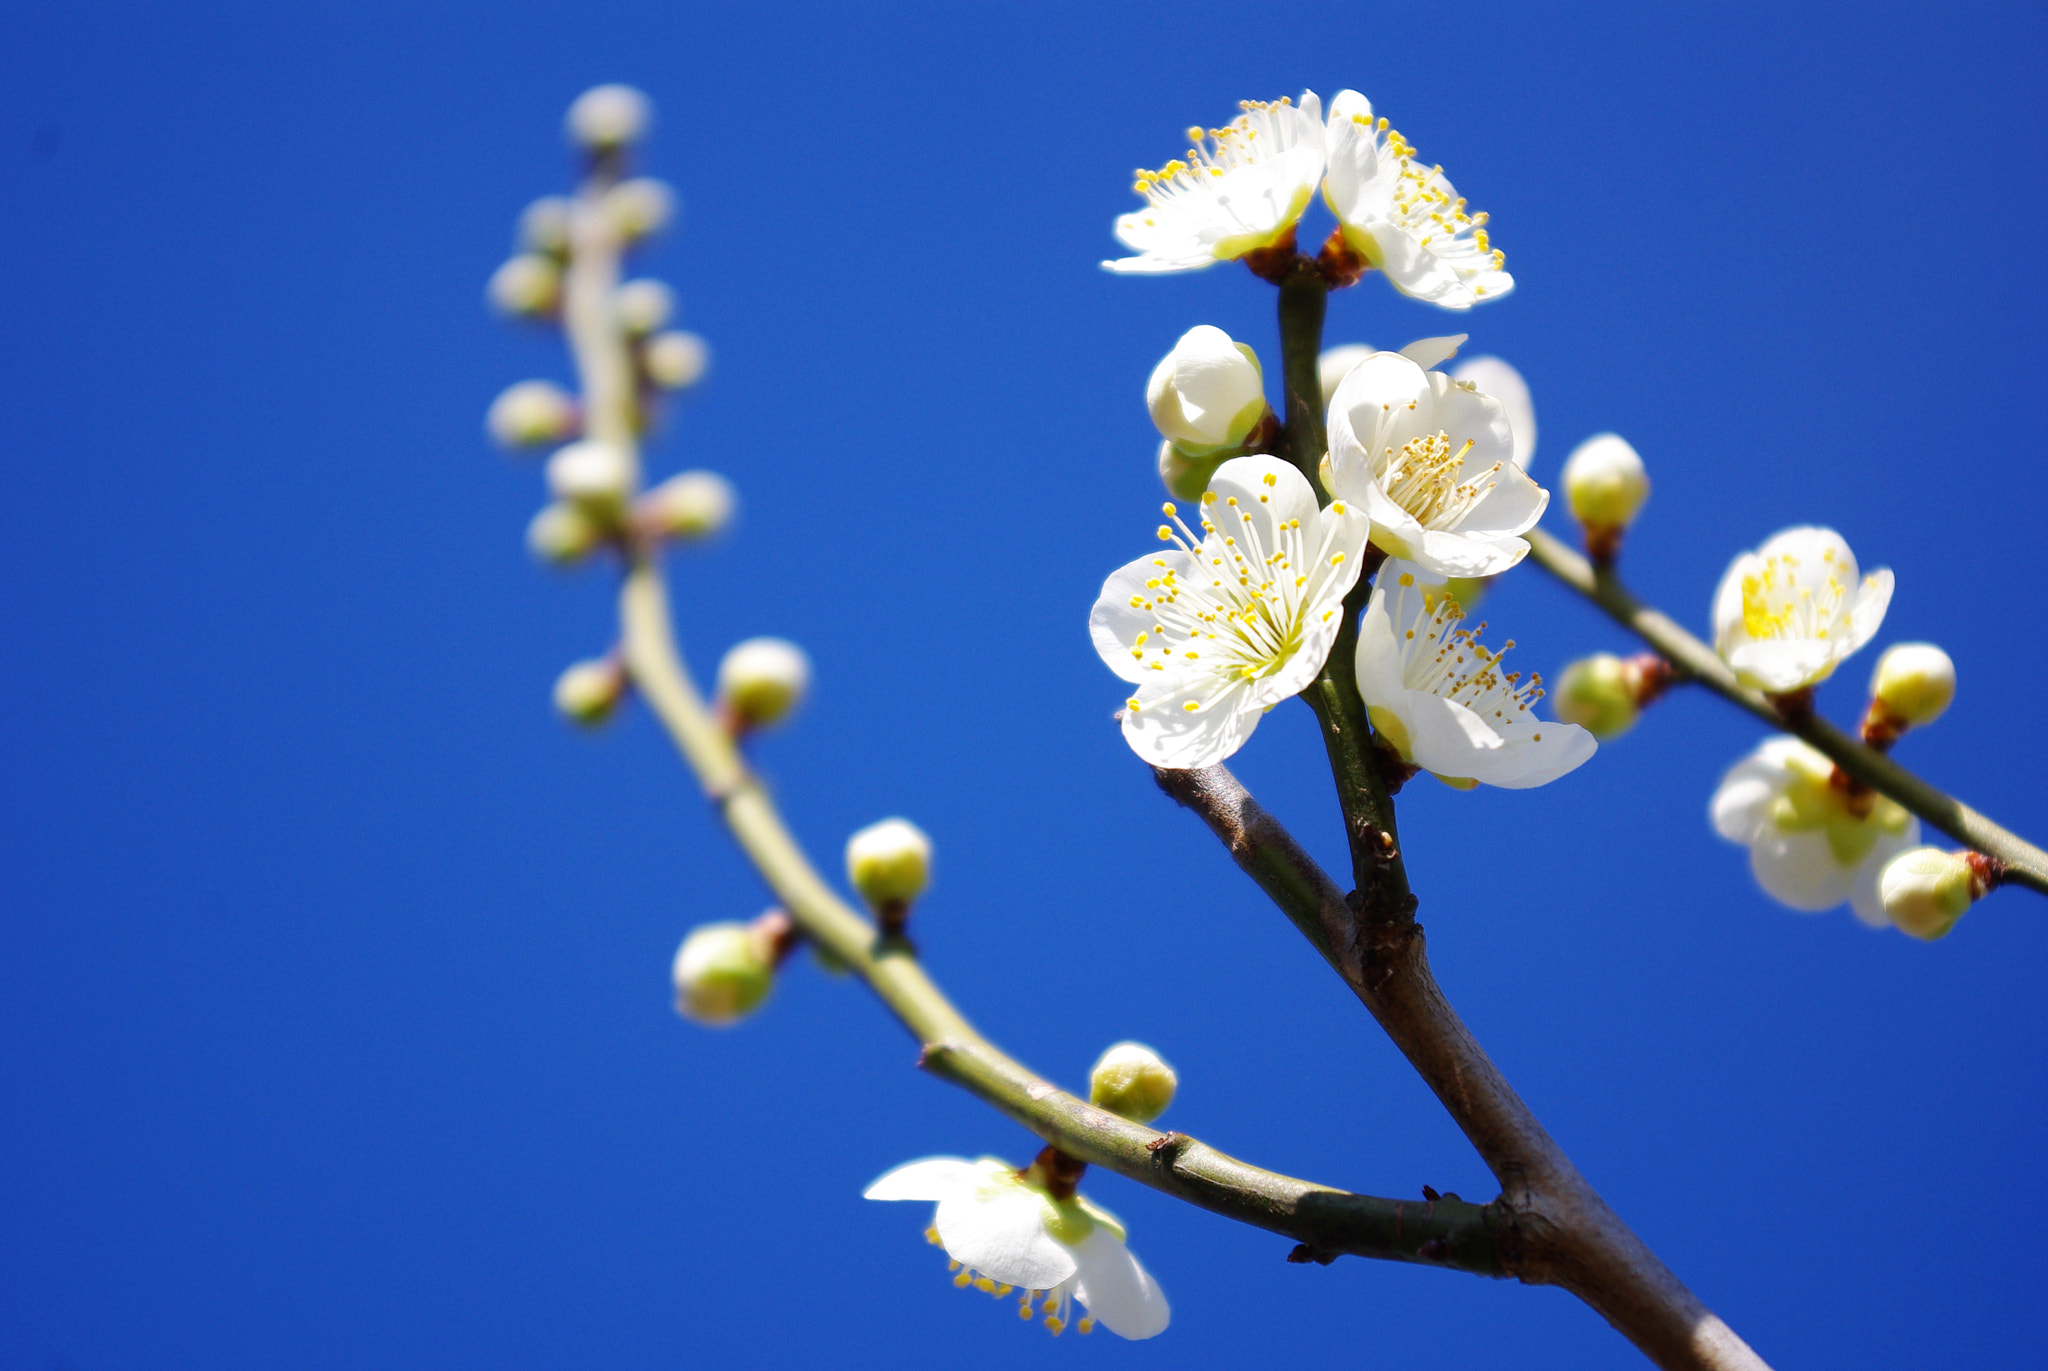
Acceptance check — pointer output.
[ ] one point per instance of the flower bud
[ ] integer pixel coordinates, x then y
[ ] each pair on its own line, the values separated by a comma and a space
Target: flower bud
1185, 477
562, 534
1336, 363
544, 225
592, 474
588, 692
1131, 1080
1207, 394
1913, 684
761, 680
674, 360
1925, 890
639, 208
689, 505
608, 117
531, 414
1594, 693
1606, 484
643, 306
722, 973
890, 864
528, 286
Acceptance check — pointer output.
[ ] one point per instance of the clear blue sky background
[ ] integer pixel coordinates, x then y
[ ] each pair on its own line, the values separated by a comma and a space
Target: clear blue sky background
334, 1024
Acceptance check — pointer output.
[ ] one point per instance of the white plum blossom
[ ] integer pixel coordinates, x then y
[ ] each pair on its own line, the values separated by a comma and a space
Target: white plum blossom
1403, 216
1789, 613
1431, 460
1006, 1232
1243, 192
1812, 844
1442, 700
1227, 623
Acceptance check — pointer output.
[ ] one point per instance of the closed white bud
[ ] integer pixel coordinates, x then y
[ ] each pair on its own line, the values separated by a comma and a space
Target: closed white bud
1207, 394
1185, 477
595, 475
562, 534
607, 117
1925, 890
761, 680
639, 208
1336, 363
528, 286
643, 306
722, 973
1131, 1080
588, 692
1605, 482
674, 360
544, 225
1913, 682
1598, 695
689, 505
531, 414
889, 863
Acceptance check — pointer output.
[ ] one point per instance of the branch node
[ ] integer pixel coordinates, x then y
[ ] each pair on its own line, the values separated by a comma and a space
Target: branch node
1303, 1253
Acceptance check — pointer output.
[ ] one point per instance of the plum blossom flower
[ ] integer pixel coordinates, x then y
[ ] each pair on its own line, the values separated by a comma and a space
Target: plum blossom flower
1242, 192
1005, 1232
1441, 699
1431, 460
1789, 613
1230, 621
1812, 844
1403, 217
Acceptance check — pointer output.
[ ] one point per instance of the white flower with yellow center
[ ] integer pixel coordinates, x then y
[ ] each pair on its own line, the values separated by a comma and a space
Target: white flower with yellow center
1241, 192
1230, 621
1789, 613
1006, 1233
1432, 462
1442, 700
1812, 844
1403, 216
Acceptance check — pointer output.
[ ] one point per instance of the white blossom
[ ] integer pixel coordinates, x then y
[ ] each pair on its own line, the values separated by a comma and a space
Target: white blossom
1336, 363
1789, 613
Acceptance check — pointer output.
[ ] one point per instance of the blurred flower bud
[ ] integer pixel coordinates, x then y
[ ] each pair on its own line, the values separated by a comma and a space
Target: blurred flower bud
1185, 477
594, 475
544, 225
531, 414
722, 973
1131, 1080
1604, 694
1925, 890
528, 286
890, 864
1606, 484
588, 692
639, 208
1912, 685
562, 534
689, 505
761, 680
643, 306
607, 117
1336, 363
1207, 394
674, 360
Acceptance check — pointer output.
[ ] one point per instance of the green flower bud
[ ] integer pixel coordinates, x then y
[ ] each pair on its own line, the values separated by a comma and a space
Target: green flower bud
589, 692
1605, 482
531, 414
1596, 693
562, 534
643, 306
1131, 1080
1913, 682
723, 972
608, 117
889, 863
761, 680
1925, 890
689, 506
674, 360
1185, 477
528, 286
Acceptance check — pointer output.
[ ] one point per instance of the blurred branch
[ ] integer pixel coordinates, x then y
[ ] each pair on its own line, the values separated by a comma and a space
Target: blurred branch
1693, 660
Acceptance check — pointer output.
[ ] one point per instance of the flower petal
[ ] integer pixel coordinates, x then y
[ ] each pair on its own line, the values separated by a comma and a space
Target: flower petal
1115, 623
1873, 598
1778, 665
1003, 1236
1428, 353
1164, 732
932, 1178
1496, 378
1455, 554
1864, 898
1799, 870
1116, 1290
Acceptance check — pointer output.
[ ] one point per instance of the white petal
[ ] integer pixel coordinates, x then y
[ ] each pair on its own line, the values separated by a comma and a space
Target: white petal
1539, 761
1114, 623
933, 1178
1864, 899
1003, 1236
1779, 665
1496, 378
1799, 870
1166, 733
1288, 497
1873, 598
1467, 414
1116, 1290
1742, 805
1446, 738
1429, 352
1512, 505
1454, 554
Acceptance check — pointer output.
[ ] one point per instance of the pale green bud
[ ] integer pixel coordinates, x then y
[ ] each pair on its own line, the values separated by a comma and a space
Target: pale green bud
544, 225
1925, 890
1208, 393
607, 117
1598, 694
1336, 363
1131, 1080
595, 475
1185, 477
674, 360
689, 505
639, 208
722, 973
562, 534
1605, 482
531, 414
588, 692
643, 306
1914, 682
528, 286
761, 680
889, 863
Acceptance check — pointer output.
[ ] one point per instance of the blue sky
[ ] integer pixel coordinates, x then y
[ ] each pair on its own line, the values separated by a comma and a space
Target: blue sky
333, 1008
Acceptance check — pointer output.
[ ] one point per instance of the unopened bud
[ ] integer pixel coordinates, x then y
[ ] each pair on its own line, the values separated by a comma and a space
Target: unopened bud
689, 505
528, 286
562, 534
674, 360
890, 864
1912, 685
607, 117
544, 225
531, 414
1336, 363
1131, 1080
588, 692
595, 475
761, 680
1925, 890
1605, 482
1604, 694
643, 306
639, 208
722, 972
1207, 394
1185, 477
